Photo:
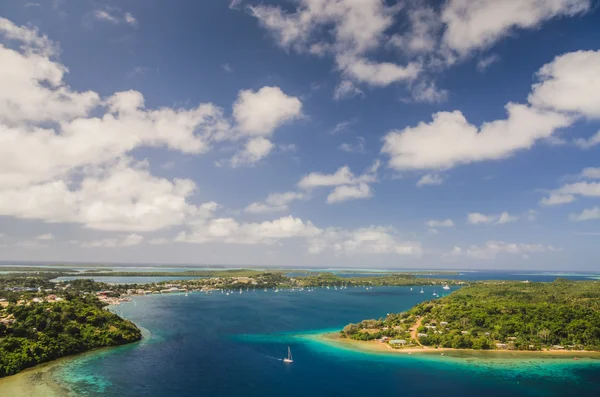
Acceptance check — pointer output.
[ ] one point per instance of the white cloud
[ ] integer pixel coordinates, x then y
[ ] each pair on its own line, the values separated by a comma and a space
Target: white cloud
46, 236
476, 218
557, 199
126, 241
227, 67
260, 113
347, 185
115, 16
370, 240
424, 92
228, 230
591, 173
346, 89
275, 202
233, 4
358, 147
590, 142
82, 143
569, 192
357, 26
450, 140
586, 214
343, 176
122, 196
353, 192
423, 34
437, 223
378, 74
347, 29
505, 218
255, 150
474, 25
343, 126
570, 83
492, 249
430, 179
486, 62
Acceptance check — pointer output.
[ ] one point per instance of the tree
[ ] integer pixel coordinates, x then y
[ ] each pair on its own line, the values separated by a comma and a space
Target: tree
544, 334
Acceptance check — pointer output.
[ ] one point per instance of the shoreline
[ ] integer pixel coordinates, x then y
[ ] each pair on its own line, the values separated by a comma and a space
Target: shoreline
333, 338
40, 381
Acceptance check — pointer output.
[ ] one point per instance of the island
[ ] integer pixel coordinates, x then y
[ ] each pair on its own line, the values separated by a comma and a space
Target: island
495, 315
42, 319
46, 325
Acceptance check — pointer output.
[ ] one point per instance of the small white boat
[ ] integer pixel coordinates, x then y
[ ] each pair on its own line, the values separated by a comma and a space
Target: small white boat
288, 359
411, 288
446, 287
422, 290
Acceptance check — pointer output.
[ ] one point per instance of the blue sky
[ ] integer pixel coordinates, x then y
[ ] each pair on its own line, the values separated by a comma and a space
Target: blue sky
450, 134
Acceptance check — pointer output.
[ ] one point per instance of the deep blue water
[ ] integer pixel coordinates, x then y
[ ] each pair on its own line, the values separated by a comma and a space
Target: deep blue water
217, 345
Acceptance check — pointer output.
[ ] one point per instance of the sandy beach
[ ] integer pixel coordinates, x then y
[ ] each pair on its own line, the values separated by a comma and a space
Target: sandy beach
378, 347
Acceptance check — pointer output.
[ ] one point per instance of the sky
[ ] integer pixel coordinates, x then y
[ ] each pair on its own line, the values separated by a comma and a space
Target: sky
374, 134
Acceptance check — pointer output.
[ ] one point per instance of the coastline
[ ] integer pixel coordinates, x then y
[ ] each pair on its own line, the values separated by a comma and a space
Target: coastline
37, 381
41, 380
374, 347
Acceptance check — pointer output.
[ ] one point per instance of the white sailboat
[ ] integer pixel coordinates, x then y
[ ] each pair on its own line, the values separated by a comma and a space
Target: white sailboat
288, 359
446, 287
422, 290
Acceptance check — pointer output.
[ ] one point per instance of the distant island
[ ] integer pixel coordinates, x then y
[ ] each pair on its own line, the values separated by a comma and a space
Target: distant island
496, 315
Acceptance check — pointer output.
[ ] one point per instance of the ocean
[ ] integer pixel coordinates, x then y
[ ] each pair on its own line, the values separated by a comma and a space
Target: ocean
219, 345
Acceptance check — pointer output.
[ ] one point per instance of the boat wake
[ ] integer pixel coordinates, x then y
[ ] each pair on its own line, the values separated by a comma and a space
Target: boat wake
273, 358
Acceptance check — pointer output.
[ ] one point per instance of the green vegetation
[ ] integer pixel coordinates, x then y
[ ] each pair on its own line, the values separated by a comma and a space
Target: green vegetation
34, 333
498, 315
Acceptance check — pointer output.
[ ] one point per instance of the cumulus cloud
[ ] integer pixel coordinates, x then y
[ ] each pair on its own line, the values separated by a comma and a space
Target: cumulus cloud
586, 214
275, 202
492, 249
229, 230
570, 83
590, 142
358, 147
346, 89
430, 179
347, 30
83, 170
346, 185
260, 113
253, 151
486, 62
440, 223
370, 240
125, 241
114, 16
567, 90
476, 218
475, 25
346, 192
570, 191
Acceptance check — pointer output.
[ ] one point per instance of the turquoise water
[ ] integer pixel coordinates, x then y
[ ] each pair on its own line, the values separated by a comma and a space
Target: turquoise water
219, 345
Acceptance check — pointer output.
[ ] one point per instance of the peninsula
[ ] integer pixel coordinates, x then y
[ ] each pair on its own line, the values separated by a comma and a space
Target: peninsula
495, 315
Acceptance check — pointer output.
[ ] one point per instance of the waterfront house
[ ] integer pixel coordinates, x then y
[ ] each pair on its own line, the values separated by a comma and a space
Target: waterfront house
501, 345
398, 342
